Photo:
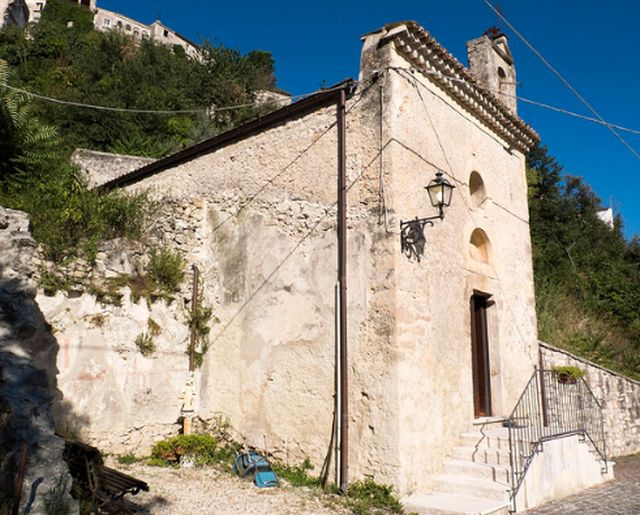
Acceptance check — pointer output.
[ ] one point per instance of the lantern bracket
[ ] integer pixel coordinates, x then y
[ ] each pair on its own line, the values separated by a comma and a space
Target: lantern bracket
412, 240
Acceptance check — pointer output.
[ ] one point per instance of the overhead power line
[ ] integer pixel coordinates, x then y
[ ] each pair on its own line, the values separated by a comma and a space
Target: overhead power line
571, 113
562, 79
522, 99
137, 111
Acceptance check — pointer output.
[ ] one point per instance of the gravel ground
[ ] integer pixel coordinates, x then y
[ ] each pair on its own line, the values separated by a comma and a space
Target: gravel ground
207, 490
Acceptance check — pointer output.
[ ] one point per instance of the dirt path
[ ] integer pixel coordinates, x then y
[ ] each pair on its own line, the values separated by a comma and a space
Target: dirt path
207, 490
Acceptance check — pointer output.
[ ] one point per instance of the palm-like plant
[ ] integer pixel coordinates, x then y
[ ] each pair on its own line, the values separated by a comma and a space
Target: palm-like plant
28, 147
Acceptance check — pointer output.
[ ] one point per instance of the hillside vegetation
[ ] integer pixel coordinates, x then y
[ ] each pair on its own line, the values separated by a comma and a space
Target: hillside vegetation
587, 275
65, 58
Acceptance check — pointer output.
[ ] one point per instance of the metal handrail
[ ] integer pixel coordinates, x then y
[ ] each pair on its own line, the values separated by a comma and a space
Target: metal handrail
548, 409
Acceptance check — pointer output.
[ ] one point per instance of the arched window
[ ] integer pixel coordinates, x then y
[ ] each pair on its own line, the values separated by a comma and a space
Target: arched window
479, 246
477, 189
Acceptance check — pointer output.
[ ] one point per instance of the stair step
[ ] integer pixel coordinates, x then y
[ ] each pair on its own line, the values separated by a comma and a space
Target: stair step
482, 455
441, 503
498, 473
490, 439
477, 487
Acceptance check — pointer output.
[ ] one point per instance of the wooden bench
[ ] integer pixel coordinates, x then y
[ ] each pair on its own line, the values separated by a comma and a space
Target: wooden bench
105, 485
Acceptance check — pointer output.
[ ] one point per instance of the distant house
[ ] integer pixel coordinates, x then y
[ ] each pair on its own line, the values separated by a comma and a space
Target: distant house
104, 20
606, 215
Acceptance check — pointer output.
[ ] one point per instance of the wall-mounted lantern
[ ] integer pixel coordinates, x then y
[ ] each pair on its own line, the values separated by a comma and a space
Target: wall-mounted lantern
412, 238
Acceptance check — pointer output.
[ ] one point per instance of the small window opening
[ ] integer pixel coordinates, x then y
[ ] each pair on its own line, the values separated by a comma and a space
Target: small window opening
477, 189
479, 246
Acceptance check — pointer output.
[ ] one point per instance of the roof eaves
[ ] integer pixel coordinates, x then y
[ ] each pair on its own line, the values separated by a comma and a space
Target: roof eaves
300, 108
421, 49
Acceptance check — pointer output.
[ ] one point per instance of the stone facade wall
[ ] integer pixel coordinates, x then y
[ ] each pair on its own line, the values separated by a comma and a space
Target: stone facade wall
428, 131
618, 395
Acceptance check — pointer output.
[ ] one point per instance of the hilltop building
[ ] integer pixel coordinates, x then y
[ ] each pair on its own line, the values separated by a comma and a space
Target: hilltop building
21, 12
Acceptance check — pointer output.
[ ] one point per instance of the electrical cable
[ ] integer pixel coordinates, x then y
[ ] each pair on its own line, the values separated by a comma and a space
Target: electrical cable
562, 79
523, 99
571, 113
140, 111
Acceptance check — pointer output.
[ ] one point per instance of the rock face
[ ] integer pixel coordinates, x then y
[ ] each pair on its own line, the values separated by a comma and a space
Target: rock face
14, 13
27, 380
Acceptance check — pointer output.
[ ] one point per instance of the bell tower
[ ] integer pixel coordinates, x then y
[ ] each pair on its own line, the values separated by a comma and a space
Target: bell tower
491, 64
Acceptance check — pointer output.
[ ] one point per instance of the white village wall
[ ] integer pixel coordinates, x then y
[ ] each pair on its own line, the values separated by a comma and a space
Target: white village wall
427, 132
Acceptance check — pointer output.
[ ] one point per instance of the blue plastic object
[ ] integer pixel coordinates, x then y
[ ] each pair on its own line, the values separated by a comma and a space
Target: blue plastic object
251, 463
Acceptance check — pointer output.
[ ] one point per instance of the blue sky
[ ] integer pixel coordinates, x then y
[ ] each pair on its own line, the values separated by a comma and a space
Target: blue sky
594, 44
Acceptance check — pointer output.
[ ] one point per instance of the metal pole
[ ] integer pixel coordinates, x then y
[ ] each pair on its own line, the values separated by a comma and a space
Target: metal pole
194, 314
342, 279
338, 408
24, 451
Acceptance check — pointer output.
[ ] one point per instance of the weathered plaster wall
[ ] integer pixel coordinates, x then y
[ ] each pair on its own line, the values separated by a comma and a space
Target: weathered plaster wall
127, 400
269, 265
618, 395
427, 132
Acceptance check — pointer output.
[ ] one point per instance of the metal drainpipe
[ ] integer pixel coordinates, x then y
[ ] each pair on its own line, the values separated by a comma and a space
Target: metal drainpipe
342, 279
194, 314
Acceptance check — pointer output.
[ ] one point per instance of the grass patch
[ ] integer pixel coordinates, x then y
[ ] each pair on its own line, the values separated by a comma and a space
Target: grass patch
128, 459
145, 344
52, 283
565, 323
366, 497
153, 327
166, 270
98, 320
297, 475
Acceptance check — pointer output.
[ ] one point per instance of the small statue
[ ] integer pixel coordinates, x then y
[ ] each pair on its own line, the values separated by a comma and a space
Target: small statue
188, 397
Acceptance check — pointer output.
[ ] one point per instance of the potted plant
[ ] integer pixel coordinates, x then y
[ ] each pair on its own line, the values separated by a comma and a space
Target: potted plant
568, 374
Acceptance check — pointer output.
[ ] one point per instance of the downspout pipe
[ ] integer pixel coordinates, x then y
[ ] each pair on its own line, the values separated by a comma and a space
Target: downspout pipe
342, 293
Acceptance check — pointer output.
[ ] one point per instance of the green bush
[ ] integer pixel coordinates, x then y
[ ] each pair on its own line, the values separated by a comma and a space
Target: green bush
572, 372
166, 269
297, 475
203, 449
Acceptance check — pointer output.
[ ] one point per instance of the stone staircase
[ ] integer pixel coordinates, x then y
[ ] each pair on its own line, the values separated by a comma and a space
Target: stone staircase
474, 480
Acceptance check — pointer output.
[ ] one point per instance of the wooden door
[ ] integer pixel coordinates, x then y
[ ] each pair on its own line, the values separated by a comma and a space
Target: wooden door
480, 356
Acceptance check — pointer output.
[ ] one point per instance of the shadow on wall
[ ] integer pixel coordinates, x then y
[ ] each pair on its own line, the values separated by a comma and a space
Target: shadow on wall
28, 390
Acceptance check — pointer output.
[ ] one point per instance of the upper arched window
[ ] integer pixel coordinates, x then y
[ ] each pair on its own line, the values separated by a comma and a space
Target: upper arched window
477, 189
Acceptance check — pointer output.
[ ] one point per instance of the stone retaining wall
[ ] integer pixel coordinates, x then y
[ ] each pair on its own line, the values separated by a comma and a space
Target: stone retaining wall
619, 396
28, 387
